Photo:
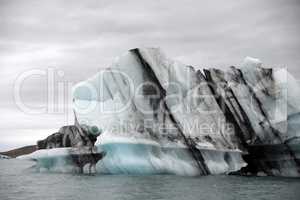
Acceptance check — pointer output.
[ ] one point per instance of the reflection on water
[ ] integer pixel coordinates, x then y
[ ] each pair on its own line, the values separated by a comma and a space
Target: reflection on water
18, 181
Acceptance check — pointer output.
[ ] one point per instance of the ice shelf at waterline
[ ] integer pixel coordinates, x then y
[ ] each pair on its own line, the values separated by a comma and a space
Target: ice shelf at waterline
161, 116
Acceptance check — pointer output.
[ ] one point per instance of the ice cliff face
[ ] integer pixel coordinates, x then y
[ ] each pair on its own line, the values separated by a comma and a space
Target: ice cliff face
161, 116
257, 98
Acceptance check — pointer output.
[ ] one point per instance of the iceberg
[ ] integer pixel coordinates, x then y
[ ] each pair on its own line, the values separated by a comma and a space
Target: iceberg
159, 116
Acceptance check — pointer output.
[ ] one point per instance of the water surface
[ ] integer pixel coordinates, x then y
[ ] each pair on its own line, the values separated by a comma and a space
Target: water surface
17, 181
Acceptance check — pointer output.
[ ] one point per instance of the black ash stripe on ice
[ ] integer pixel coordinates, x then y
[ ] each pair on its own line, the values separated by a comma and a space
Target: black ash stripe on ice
196, 153
275, 132
243, 126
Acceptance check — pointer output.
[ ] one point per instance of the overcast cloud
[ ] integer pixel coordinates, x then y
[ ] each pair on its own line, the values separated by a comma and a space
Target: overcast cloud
81, 37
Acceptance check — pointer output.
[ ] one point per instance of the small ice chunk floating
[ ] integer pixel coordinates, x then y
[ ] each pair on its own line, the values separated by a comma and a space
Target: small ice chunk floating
161, 116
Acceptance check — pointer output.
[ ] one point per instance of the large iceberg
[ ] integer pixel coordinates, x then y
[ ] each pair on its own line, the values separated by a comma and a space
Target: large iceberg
161, 116
157, 115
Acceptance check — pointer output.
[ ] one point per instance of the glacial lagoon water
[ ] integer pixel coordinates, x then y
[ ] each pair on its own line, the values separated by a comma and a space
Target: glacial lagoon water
19, 181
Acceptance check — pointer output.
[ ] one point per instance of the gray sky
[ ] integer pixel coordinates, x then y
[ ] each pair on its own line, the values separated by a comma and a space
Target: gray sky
81, 37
